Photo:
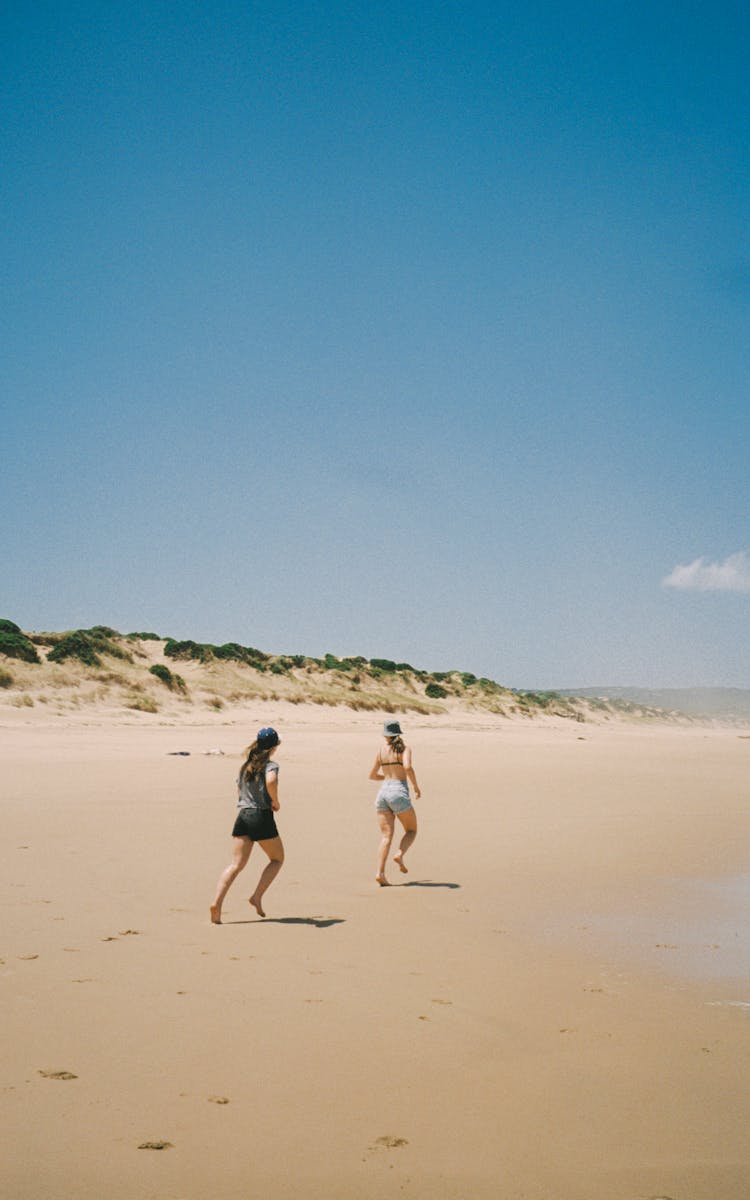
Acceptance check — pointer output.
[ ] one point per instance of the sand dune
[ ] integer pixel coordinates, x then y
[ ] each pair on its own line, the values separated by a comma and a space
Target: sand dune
499, 1025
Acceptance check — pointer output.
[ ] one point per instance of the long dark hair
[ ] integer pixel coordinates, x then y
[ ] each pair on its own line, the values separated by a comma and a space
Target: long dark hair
256, 758
396, 743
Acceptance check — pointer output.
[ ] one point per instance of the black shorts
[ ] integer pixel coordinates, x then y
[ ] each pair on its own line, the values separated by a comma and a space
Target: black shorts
256, 823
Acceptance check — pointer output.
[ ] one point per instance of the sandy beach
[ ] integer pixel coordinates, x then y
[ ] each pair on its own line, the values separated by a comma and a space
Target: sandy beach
553, 1005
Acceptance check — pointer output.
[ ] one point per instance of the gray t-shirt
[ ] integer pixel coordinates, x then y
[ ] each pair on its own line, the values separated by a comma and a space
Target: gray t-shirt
253, 792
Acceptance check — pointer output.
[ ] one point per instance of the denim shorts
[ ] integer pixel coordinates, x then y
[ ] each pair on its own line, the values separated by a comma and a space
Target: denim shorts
393, 796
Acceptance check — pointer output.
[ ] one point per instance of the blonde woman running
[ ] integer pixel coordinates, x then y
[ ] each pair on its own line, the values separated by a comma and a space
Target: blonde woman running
258, 800
394, 766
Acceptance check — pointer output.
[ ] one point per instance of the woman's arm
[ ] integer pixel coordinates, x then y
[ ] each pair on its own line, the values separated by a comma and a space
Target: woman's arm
377, 770
272, 787
410, 773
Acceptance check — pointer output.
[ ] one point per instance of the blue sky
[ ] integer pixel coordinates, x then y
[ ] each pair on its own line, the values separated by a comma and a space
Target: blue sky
413, 330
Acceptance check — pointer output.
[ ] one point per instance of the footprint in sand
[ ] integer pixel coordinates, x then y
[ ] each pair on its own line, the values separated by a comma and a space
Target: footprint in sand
155, 1146
28, 957
58, 1074
442, 1002
666, 946
128, 932
218, 1099
88, 979
109, 939
72, 949
389, 1142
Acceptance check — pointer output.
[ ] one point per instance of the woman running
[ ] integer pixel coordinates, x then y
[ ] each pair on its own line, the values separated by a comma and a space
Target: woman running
258, 800
394, 766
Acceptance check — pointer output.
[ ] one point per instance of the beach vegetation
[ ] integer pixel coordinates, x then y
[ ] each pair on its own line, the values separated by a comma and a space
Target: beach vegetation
16, 645
7, 626
435, 691
143, 637
6, 679
384, 664
233, 651
467, 679
24, 701
45, 639
143, 704
175, 683
114, 677
188, 649
215, 702
332, 663
87, 646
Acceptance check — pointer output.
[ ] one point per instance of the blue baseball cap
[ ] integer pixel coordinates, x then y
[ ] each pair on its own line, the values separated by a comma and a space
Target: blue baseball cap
267, 738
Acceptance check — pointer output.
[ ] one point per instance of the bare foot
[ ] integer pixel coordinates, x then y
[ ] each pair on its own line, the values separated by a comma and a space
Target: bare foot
400, 863
381, 879
215, 914
257, 906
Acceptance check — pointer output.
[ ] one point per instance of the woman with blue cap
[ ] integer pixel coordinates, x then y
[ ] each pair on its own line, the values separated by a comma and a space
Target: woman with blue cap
258, 800
393, 766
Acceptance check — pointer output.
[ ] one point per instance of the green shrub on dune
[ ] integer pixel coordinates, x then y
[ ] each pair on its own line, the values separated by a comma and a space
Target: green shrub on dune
244, 654
15, 644
435, 691
206, 652
175, 683
143, 637
187, 649
87, 646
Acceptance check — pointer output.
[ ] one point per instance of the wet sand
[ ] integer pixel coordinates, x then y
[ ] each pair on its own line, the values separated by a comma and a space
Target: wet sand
519, 1017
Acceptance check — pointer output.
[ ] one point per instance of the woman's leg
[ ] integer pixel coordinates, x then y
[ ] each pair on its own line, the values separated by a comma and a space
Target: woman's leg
274, 848
386, 821
409, 821
241, 847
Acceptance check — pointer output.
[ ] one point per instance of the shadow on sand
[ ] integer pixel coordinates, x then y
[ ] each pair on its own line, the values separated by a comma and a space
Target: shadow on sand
427, 883
318, 922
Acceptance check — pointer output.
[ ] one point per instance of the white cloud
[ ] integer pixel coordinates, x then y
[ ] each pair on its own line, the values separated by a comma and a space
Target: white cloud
732, 575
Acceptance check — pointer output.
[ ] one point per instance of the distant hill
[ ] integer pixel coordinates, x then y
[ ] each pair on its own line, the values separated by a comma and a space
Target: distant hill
711, 702
102, 668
